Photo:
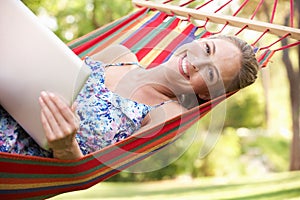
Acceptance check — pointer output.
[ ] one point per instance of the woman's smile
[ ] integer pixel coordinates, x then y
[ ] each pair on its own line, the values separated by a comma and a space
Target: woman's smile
183, 67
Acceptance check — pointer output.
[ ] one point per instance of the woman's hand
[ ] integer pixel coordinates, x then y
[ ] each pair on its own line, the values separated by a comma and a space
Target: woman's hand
60, 124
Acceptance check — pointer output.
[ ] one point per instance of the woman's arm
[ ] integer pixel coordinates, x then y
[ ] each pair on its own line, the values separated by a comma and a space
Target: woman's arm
60, 124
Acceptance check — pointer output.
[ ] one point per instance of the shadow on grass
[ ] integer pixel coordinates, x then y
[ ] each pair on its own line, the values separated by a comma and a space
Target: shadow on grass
275, 187
282, 194
182, 189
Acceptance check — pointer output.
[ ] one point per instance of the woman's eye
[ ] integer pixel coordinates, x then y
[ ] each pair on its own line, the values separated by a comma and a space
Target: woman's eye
211, 74
207, 49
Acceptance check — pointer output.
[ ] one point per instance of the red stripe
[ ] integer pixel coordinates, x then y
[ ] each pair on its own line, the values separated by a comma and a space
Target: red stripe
153, 43
143, 31
166, 52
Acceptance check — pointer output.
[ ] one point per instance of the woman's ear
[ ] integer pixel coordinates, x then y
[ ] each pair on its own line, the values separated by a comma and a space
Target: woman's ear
188, 100
205, 96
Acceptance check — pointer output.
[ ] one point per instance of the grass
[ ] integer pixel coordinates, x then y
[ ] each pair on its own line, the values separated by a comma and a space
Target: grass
271, 187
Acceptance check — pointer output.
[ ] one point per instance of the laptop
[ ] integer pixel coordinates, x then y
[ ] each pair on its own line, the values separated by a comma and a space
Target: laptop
34, 59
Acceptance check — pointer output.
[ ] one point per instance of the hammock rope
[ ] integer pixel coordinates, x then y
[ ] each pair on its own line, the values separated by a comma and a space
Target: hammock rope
266, 29
257, 9
292, 13
235, 21
204, 4
152, 36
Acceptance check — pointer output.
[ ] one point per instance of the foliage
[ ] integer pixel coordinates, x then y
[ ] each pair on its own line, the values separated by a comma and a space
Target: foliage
243, 152
245, 110
272, 150
224, 158
72, 19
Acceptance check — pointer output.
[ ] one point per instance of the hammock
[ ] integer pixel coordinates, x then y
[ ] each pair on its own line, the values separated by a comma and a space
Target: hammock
150, 34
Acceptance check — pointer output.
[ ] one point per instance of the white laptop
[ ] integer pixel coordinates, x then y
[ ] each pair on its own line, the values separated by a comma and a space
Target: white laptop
33, 59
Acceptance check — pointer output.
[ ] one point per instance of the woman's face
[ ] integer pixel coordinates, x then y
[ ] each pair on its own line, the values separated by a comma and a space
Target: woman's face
207, 64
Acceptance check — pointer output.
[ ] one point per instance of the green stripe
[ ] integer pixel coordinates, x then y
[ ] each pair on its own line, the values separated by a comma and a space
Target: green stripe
265, 57
201, 34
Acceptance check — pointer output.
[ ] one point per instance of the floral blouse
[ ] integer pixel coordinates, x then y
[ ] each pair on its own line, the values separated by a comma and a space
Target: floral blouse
105, 118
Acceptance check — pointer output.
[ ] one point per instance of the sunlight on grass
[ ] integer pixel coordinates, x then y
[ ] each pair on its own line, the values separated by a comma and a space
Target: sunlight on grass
276, 186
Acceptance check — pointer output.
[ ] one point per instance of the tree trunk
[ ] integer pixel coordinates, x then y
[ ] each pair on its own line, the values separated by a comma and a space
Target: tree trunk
266, 85
294, 80
294, 96
266, 80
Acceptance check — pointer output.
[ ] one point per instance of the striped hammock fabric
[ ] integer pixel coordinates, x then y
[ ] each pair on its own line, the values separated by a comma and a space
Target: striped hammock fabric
152, 36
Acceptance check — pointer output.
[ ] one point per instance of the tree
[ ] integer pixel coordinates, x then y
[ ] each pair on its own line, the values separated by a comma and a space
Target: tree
294, 81
293, 74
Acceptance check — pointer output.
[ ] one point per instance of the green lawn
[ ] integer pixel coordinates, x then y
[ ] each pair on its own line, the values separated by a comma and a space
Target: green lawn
276, 186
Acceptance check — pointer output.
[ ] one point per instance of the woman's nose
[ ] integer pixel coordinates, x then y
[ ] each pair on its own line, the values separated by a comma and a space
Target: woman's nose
196, 69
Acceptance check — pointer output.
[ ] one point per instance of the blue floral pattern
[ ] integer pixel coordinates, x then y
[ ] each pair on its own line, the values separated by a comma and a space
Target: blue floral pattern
14, 139
105, 118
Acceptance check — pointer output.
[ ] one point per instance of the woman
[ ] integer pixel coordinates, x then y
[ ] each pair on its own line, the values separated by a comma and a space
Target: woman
130, 99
